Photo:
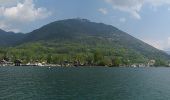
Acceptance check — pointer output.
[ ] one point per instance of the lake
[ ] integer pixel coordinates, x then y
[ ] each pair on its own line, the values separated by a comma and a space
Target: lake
98, 83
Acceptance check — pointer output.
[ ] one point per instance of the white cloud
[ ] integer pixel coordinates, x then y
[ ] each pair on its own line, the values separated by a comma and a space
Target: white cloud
159, 44
168, 41
103, 11
2, 25
7, 1
158, 2
155, 43
6, 26
133, 7
122, 20
24, 12
130, 6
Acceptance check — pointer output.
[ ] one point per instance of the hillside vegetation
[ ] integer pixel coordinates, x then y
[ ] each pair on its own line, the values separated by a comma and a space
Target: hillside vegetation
79, 41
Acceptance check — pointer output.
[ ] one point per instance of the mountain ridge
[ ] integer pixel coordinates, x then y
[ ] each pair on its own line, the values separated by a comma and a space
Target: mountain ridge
72, 34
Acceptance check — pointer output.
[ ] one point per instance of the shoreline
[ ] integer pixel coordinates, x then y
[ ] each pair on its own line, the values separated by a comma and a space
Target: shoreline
84, 66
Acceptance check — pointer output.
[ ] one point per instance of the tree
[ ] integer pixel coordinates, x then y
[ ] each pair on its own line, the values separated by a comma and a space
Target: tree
49, 58
105, 62
160, 62
97, 56
116, 61
89, 59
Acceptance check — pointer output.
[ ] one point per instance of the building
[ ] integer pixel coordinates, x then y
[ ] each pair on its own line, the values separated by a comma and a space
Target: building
17, 63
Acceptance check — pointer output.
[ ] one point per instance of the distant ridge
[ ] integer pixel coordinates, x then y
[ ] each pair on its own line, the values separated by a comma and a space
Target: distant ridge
9, 38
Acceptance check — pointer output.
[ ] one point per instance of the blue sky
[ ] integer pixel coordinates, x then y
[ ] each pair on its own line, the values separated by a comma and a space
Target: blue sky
148, 20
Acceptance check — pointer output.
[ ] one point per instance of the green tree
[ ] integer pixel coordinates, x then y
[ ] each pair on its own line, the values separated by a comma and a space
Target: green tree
49, 58
98, 56
116, 61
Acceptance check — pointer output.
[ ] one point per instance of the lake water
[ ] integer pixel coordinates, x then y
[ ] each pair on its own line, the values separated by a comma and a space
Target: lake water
99, 83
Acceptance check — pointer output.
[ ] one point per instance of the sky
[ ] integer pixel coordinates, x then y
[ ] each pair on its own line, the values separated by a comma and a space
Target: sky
148, 20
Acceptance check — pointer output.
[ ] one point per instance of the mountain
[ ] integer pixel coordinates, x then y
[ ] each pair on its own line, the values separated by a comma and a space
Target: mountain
70, 29
86, 32
82, 37
9, 38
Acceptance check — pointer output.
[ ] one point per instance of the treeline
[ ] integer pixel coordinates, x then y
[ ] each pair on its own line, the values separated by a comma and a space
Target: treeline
74, 54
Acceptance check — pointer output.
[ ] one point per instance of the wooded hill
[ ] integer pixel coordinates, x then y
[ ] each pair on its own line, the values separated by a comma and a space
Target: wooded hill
78, 40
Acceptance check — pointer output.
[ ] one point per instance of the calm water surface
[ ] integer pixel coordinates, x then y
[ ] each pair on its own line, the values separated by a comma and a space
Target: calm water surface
37, 83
